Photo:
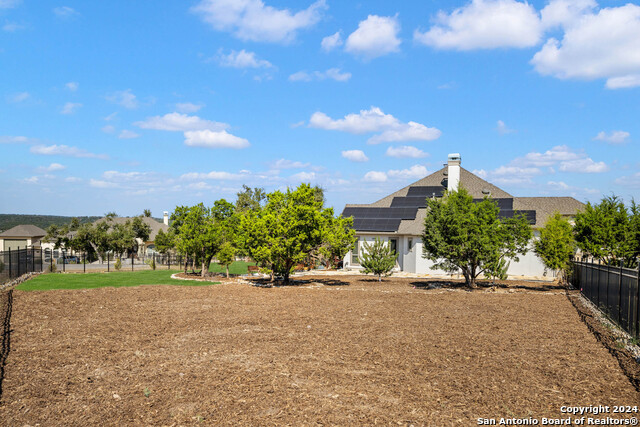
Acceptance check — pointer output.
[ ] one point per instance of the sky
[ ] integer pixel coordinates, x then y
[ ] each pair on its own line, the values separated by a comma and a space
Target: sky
124, 106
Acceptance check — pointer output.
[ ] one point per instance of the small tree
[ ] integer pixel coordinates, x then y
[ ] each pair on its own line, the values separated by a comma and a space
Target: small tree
118, 264
462, 234
378, 259
226, 255
556, 244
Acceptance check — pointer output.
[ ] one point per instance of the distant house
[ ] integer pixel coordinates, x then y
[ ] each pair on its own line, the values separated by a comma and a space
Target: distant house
399, 217
148, 247
22, 236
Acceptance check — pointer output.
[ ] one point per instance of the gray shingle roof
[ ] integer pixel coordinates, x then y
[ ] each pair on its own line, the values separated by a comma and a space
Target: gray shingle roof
476, 186
24, 230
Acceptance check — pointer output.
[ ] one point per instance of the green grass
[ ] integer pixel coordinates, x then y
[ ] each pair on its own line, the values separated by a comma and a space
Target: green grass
45, 282
237, 267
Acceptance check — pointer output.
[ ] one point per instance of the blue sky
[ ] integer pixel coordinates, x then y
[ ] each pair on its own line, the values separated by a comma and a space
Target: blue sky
123, 106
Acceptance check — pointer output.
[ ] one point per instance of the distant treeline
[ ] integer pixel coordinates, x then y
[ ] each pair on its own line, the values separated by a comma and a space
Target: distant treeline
8, 221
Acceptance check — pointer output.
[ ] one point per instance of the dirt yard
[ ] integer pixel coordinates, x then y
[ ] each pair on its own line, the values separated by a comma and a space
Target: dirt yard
342, 350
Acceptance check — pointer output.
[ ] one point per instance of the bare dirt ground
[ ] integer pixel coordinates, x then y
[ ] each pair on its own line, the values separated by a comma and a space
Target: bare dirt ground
344, 350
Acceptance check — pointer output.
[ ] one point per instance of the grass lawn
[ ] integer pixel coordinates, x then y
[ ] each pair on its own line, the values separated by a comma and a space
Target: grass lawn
46, 282
237, 267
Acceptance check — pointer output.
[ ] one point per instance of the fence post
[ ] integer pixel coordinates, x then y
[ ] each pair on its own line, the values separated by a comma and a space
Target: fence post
84, 262
636, 325
169, 261
64, 261
51, 261
33, 259
107, 262
10, 263
131, 260
41, 260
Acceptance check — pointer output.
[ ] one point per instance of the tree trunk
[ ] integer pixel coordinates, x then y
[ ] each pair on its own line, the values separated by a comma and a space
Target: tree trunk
227, 267
95, 248
272, 274
472, 277
185, 264
379, 278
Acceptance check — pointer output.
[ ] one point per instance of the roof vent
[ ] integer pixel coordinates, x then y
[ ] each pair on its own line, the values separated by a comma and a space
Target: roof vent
486, 191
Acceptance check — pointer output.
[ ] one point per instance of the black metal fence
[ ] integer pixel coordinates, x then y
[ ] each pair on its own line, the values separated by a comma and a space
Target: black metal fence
63, 261
15, 263
614, 290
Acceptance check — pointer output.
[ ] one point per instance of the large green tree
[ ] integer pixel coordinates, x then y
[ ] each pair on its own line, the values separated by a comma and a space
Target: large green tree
603, 231
461, 234
289, 227
556, 244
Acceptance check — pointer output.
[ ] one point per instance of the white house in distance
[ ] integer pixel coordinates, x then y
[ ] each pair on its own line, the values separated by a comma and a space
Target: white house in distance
21, 237
399, 218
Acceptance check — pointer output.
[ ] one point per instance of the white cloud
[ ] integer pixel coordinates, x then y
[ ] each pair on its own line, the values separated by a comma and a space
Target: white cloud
65, 12
53, 167
97, 183
124, 98
288, 164
31, 180
602, 45
376, 36
213, 175
11, 27
414, 172
332, 73
242, 59
303, 177
375, 120
72, 86
355, 155
70, 108
8, 4
180, 123
255, 21
375, 176
65, 150
331, 42
510, 174
565, 13
485, 24
406, 151
111, 117
503, 129
127, 134
211, 139
615, 137
586, 165
8, 139
559, 185
72, 179
550, 157
108, 129
188, 107
18, 97
632, 181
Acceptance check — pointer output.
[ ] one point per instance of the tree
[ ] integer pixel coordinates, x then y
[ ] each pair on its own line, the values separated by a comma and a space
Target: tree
556, 244
147, 213
165, 242
339, 239
603, 231
287, 229
461, 234
226, 255
226, 222
378, 259
250, 199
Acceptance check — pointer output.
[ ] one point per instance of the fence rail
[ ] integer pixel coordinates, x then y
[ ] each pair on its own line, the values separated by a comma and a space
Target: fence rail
15, 263
614, 290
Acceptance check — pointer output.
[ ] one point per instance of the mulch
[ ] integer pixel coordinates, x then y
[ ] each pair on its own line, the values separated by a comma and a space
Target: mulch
328, 350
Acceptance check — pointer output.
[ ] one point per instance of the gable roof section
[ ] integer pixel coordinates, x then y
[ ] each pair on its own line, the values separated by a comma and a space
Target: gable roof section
24, 230
537, 209
155, 225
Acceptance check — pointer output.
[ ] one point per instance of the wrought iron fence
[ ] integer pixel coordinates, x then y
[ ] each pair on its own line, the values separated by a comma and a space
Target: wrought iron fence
15, 263
614, 290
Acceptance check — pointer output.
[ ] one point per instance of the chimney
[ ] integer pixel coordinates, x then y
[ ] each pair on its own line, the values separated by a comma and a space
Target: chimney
453, 171
165, 218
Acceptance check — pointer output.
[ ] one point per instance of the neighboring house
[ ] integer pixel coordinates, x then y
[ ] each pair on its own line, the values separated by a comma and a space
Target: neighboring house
22, 236
399, 218
148, 247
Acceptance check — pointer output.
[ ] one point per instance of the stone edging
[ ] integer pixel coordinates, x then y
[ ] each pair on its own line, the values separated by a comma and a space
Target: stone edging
15, 282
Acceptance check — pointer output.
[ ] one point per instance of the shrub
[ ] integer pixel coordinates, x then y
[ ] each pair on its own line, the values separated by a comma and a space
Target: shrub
53, 268
378, 259
153, 263
118, 264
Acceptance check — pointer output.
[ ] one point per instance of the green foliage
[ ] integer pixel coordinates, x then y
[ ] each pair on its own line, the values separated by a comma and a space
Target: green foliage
165, 242
340, 237
146, 213
556, 244
236, 267
8, 221
52, 268
289, 228
153, 263
461, 234
250, 199
118, 264
603, 230
378, 258
226, 255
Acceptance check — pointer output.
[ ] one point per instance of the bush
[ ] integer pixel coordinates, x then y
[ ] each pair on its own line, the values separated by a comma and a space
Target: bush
52, 268
118, 264
153, 263
378, 259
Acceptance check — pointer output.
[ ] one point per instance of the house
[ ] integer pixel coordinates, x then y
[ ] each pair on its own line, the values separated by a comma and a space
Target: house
399, 218
148, 247
22, 236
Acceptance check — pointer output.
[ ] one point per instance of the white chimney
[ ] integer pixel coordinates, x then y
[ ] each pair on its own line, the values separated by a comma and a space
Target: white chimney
165, 218
453, 172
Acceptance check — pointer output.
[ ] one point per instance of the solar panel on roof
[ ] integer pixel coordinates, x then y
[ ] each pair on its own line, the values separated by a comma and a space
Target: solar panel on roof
426, 191
373, 212
409, 201
506, 204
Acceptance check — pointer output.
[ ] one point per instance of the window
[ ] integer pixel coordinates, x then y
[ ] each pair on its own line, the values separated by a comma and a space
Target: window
409, 245
354, 252
393, 243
